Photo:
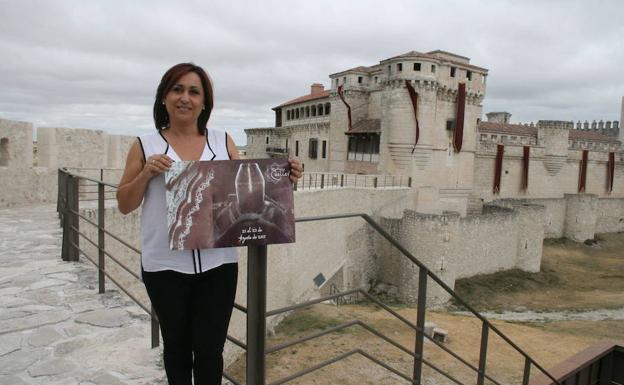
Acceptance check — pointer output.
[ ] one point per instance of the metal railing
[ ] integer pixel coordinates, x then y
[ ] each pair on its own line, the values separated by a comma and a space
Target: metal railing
599, 364
326, 180
256, 311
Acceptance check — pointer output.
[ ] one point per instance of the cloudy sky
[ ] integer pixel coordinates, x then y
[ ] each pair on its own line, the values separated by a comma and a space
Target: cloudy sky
96, 64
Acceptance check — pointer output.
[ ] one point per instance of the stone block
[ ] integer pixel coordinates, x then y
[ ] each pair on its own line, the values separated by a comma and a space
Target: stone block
440, 335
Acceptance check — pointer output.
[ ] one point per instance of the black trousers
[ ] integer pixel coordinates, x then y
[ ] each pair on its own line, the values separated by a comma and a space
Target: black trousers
194, 312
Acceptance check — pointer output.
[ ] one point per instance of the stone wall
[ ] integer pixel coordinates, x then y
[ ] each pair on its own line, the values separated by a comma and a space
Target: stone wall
505, 236
550, 176
33, 175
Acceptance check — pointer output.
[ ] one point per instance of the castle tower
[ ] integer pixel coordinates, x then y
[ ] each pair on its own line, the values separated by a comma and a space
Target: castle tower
621, 132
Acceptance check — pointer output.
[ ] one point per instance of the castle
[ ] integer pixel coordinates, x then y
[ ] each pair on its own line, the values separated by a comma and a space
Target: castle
419, 114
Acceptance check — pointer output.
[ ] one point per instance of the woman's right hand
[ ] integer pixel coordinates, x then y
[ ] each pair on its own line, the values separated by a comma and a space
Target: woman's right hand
156, 165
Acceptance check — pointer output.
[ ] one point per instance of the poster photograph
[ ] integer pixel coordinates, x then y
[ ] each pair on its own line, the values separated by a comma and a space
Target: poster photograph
230, 203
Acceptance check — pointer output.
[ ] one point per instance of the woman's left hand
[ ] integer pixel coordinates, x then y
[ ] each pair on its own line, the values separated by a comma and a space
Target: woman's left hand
295, 170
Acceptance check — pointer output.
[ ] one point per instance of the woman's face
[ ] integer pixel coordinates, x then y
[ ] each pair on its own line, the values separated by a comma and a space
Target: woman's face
185, 101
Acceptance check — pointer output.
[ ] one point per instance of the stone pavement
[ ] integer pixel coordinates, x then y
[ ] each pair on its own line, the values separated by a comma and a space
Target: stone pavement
54, 327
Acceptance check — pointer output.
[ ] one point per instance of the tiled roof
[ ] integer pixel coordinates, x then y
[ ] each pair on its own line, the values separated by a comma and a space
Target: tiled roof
366, 126
517, 129
305, 98
591, 136
356, 69
430, 55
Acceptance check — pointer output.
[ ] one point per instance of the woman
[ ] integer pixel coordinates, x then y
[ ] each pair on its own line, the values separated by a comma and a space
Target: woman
193, 291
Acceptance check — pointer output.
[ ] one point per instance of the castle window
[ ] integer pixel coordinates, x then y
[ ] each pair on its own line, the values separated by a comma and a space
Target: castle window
363, 147
344, 80
469, 75
266, 139
416, 66
327, 108
376, 79
313, 148
337, 81
297, 113
287, 114
453, 69
286, 144
307, 111
483, 137
324, 150
389, 70
494, 137
296, 148
433, 68
313, 110
319, 109
450, 124
360, 80
399, 67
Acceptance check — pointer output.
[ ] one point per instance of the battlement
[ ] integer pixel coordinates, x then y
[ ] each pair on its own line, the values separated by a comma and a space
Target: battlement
554, 124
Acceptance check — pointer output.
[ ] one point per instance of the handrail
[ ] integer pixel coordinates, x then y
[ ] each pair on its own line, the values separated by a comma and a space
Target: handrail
67, 207
70, 215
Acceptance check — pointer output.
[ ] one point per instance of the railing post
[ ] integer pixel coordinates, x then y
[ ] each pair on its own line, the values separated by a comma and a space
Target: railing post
256, 313
155, 329
341, 180
483, 353
527, 371
70, 220
101, 260
420, 324
322, 181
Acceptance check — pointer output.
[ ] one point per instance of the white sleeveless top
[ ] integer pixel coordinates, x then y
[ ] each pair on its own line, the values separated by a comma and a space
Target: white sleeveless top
156, 255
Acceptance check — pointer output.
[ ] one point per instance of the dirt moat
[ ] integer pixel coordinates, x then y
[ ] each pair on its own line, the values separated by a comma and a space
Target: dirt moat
576, 286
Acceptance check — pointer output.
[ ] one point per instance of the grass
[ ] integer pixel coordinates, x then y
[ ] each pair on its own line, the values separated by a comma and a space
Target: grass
573, 276
306, 321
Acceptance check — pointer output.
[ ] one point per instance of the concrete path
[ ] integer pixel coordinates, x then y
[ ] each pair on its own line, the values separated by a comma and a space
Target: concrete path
54, 327
549, 316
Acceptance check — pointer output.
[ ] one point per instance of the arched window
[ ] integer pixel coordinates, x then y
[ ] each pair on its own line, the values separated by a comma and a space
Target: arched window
4, 152
307, 111
327, 108
319, 108
297, 113
313, 110
287, 114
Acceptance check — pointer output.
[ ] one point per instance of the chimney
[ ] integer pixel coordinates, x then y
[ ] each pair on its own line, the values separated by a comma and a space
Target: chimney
317, 89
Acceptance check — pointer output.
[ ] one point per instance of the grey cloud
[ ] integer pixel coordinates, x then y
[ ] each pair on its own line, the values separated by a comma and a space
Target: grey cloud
97, 64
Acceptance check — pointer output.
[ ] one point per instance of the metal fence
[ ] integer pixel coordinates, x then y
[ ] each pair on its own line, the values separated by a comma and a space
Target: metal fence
256, 311
326, 180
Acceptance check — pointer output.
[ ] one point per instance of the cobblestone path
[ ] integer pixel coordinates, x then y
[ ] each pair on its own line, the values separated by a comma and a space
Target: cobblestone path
54, 327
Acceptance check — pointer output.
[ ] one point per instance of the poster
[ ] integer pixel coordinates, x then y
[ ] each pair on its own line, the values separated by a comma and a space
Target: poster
229, 203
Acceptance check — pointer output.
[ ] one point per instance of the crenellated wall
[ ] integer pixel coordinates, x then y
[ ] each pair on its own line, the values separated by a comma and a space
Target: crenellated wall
29, 176
506, 235
554, 164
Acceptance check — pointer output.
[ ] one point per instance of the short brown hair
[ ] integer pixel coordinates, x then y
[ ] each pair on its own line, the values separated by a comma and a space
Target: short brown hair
161, 117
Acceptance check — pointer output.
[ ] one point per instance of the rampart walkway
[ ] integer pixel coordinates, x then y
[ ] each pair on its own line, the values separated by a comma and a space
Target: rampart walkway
54, 327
